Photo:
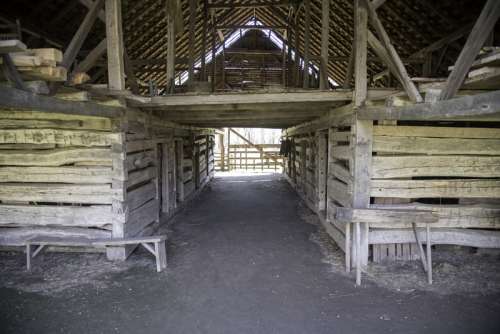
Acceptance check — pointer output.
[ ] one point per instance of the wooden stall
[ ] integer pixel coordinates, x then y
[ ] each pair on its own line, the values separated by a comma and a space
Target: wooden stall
72, 175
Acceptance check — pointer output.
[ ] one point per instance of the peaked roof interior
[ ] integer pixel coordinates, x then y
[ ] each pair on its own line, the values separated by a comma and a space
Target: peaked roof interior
411, 24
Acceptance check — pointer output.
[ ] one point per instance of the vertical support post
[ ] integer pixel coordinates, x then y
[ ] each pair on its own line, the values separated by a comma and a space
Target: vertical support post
170, 85
307, 37
284, 58
289, 54
297, 46
204, 41
322, 163
362, 130
325, 35
222, 155
228, 149
192, 22
114, 40
360, 48
180, 169
214, 62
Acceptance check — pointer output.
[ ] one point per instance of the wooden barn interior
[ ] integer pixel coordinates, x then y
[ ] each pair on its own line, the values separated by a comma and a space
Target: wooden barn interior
389, 110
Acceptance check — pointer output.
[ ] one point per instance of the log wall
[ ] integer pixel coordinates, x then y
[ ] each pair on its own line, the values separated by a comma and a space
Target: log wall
450, 169
94, 177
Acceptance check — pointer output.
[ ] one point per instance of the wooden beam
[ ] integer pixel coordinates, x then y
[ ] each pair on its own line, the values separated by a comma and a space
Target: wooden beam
484, 25
192, 36
114, 40
325, 36
233, 5
15, 98
478, 107
307, 37
408, 85
11, 73
129, 71
360, 42
92, 58
81, 34
170, 50
249, 26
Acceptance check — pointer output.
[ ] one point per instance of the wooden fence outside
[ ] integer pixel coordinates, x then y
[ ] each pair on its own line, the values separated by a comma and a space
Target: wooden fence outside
249, 158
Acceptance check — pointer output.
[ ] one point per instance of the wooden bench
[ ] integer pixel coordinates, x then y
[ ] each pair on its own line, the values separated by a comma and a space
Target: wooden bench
377, 217
154, 244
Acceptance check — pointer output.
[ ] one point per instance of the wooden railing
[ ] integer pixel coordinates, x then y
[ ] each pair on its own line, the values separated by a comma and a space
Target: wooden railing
248, 158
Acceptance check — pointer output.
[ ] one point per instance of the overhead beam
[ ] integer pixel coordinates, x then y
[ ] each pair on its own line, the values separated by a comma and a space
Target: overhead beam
249, 26
325, 36
192, 36
485, 106
482, 28
307, 42
81, 34
232, 5
408, 85
90, 61
16, 98
170, 66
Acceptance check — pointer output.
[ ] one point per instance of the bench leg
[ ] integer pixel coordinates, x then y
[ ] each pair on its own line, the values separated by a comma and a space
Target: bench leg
163, 255
429, 256
28, 257
358, 251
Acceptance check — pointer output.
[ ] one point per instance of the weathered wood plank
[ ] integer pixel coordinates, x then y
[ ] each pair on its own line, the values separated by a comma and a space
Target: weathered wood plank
18, 236
32, 119
426, 145
57, 136
16, 98
456, 188
141, 176
436, 132
340, 172
455, 166
141, 195
141, 217
452, 215
58, 193
63, 174
140, 160
56, 157
45, 215
340, 192
463, 237
384, 216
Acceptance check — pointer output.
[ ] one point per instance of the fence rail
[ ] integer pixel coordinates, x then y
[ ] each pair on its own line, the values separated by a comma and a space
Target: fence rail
248, 158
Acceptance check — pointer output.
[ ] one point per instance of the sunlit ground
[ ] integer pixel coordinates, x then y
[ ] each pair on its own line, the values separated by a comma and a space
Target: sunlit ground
247, 173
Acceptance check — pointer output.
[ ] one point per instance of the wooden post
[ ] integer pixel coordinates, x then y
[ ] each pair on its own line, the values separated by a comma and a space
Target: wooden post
204, 41
170, 75
307, 37
222, 156
179, 148
114, 39
192, 35
214, 62
325, 35
362, 130
297, 46
360, 47
322, 166
228, 149
482, 28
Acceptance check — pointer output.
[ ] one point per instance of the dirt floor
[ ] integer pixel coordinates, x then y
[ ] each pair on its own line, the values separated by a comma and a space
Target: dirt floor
247, 257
